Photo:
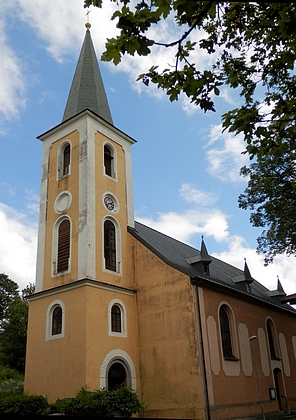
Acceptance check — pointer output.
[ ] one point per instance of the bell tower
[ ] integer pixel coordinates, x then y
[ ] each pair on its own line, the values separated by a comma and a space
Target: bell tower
86, 205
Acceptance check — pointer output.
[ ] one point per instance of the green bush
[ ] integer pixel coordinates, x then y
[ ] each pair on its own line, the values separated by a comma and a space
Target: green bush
124, 401
23, 404
11, 386
101, 403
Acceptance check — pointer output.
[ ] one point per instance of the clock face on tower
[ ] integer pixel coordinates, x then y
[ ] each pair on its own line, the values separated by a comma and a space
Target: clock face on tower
109, 203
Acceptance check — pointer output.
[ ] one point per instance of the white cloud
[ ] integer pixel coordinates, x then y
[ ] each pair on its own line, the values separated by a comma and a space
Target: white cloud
12, 82
18, 244
224, 161
191, 194
185, 226
283, 266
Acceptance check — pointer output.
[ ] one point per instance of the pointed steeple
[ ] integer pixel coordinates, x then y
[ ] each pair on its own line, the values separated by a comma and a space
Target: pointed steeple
248, 278
279, 290
203, 260
245, 277
87, 90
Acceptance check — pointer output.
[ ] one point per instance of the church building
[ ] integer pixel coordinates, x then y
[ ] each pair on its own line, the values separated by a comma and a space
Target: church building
118, 302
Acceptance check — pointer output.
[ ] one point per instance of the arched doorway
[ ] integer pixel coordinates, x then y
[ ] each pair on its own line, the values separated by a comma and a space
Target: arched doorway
112, 358
117, 375
279, 387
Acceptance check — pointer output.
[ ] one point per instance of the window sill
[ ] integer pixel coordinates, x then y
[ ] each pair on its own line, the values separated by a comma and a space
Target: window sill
275, 358
231, 358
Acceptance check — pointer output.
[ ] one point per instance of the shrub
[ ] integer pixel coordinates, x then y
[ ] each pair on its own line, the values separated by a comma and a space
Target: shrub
23, 404
11, 386
100, 403
124, 401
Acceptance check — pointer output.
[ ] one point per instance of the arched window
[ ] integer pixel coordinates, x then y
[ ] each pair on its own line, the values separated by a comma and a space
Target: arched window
63, 253
66, 160
226, 333
57, 319
110, 245
117, 375
108, 160
273, 347
111, 374
116, 319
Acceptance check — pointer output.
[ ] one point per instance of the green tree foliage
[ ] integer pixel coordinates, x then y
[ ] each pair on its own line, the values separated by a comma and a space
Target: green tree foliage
252, 50
14, 321
14, 335
8, 293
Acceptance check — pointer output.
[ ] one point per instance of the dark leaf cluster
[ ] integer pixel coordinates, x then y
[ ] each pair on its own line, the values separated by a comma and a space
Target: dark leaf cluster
252, 51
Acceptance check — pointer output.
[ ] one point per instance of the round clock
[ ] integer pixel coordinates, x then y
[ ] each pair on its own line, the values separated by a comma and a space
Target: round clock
109, 203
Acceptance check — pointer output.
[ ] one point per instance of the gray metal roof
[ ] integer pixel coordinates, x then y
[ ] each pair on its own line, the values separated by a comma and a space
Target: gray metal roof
221, 275
87, 90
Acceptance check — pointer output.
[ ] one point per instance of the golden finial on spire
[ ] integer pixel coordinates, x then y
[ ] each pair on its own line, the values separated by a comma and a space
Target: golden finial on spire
87, 25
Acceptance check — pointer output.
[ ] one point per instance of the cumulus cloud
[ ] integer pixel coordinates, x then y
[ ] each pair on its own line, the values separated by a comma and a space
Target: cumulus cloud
195, 195
226, 158
12, 81
283, 267
200, 219
184, 226
18, 244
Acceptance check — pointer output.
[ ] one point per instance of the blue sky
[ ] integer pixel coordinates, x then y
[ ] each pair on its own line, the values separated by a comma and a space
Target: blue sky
185, 171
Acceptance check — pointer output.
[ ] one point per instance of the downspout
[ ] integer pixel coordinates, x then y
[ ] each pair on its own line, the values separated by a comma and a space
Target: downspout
202, 358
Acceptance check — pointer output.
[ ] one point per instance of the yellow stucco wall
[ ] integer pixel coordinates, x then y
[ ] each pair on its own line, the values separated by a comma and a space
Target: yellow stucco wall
70, 183
235, 378
58, 367
168, 347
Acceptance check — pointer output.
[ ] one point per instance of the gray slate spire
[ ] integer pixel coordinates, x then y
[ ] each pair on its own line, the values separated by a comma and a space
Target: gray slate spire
87, 90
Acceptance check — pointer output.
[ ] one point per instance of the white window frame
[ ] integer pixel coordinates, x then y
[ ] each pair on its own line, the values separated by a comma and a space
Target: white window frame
118, 246
60, 159
114, 161
49, 313
118, 355
55, 232
123, 314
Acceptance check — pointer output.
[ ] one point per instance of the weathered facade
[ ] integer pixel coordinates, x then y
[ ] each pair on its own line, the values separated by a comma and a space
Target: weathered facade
118, 302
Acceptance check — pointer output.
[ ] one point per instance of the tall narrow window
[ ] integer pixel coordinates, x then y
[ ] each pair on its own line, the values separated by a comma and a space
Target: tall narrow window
66, 160
110, 245
57, 318
116, 319
225, 333
63, 246
108, 161
272, 340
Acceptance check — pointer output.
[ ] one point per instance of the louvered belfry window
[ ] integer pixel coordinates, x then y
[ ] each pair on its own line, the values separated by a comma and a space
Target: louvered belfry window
57, 318
108, 161
116, 319
110, 245
66, 162
63, 246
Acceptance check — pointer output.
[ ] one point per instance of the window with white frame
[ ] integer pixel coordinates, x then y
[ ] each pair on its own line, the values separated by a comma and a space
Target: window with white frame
61, 247
117, 319
109, 160
64, 159
55, 320
111, 245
